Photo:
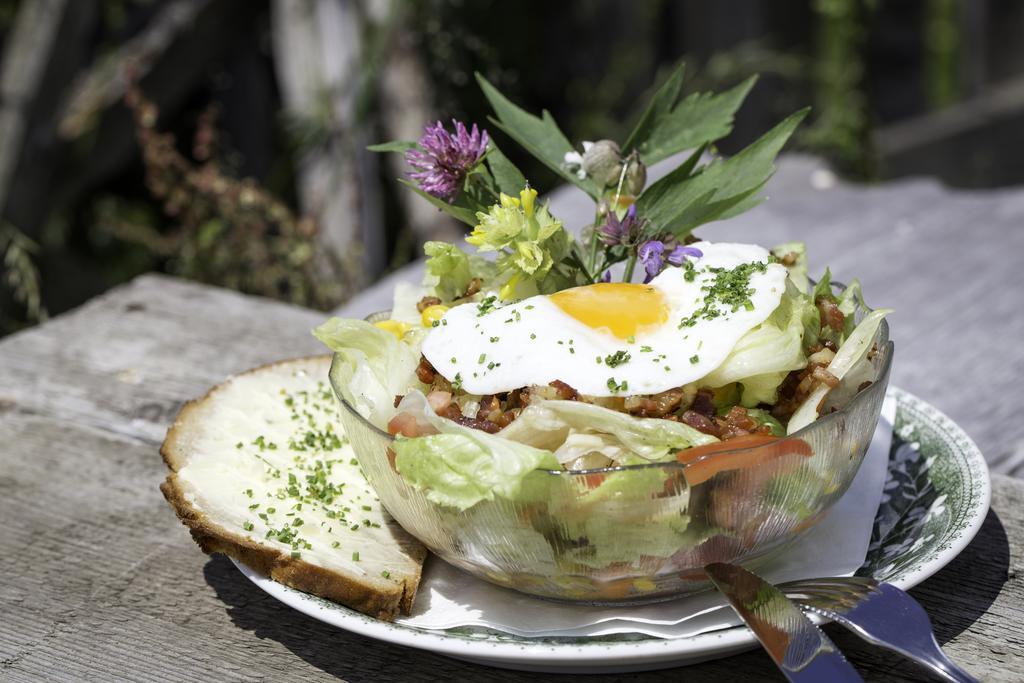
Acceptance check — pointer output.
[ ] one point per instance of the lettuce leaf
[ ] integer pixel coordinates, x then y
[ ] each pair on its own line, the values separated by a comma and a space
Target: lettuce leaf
547, 424
458, 469
823, 288
847, 302
849, 355
797, 271
765, 418
660, 536
450, 270
763, 388
764, 355
404, 301
459, 466
371, 366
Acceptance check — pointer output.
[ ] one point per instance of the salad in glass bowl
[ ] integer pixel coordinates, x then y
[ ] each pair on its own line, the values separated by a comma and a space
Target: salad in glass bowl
597, 418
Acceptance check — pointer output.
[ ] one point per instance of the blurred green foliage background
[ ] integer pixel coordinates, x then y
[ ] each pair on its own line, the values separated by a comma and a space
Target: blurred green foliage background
224, 140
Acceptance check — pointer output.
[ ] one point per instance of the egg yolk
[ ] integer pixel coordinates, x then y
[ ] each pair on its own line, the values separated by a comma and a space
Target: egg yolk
621, 308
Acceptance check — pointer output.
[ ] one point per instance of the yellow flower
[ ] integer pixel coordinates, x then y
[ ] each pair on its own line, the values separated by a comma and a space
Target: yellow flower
528, 238
526, 198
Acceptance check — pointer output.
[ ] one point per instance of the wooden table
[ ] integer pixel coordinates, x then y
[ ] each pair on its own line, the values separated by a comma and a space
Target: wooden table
101, 582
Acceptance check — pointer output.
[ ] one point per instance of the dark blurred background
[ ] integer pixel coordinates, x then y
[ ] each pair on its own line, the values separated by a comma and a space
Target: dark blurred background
224, 140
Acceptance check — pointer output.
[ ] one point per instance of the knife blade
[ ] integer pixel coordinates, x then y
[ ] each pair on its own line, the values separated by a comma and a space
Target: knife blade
800, 649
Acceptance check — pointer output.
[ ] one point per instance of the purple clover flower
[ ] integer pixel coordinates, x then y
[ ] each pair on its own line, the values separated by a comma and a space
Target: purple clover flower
615, 231
442, 159
652, 255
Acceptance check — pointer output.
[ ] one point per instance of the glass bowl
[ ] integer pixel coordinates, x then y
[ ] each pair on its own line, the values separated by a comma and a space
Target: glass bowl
640, 533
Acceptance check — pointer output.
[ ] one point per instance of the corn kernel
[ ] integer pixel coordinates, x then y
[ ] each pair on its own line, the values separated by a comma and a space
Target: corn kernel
395, 327
433, 314
644, 585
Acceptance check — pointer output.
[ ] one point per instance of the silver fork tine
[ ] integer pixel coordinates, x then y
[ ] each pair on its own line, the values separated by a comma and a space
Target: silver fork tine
881, 614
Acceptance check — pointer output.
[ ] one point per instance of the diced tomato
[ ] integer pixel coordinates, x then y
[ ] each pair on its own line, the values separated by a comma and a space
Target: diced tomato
404, 424
704, 462
439, 400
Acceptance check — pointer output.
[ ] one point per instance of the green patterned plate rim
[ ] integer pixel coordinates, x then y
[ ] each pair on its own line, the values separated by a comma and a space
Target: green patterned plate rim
935, 499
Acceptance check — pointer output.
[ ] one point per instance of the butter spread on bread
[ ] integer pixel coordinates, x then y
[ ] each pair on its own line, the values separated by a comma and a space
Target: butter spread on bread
261, 472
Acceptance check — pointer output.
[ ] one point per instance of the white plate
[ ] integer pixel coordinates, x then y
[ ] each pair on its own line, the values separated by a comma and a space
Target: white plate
936, 498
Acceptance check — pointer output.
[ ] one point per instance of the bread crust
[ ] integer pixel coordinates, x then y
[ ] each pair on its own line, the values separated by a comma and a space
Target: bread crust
382, 602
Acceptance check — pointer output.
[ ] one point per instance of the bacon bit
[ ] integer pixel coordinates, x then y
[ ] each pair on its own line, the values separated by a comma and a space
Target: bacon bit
830, 314
701, 422
790, 259
425, 372
474, 286
488, 405
658, 405
441, 384
864, 385
426, 302
518, 398
704, 403
738, 423
825, 377
563, 390
474, 423
451, 411
506, 418
398, 399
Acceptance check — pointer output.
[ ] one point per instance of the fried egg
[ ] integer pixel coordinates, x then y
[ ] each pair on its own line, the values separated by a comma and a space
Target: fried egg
611, 339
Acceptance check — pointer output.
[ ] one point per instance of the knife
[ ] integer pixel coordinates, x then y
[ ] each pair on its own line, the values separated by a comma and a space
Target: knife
800, 649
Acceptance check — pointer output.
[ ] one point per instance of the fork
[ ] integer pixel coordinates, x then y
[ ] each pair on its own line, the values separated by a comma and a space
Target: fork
881, 614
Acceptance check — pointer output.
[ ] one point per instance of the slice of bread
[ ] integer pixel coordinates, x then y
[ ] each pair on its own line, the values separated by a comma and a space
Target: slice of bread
261, 472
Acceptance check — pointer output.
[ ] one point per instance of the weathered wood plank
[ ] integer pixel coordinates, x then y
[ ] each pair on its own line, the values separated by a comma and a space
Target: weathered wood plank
102, 583
127, 360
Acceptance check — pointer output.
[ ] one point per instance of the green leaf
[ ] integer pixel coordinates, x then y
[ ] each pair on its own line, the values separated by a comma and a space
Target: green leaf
659, 106
401, 146
660, 192
666, 127
458, 210
671, 202
704, 210
699, 118
541, 137
508, 178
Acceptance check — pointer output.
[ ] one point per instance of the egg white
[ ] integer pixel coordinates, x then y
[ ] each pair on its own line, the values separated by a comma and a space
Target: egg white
533, 341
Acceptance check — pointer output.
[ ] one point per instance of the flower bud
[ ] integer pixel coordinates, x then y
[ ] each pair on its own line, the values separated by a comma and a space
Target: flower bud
603, 162
636, 175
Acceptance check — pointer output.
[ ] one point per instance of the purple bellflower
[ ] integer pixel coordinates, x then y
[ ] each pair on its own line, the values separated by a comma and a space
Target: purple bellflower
442, 159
